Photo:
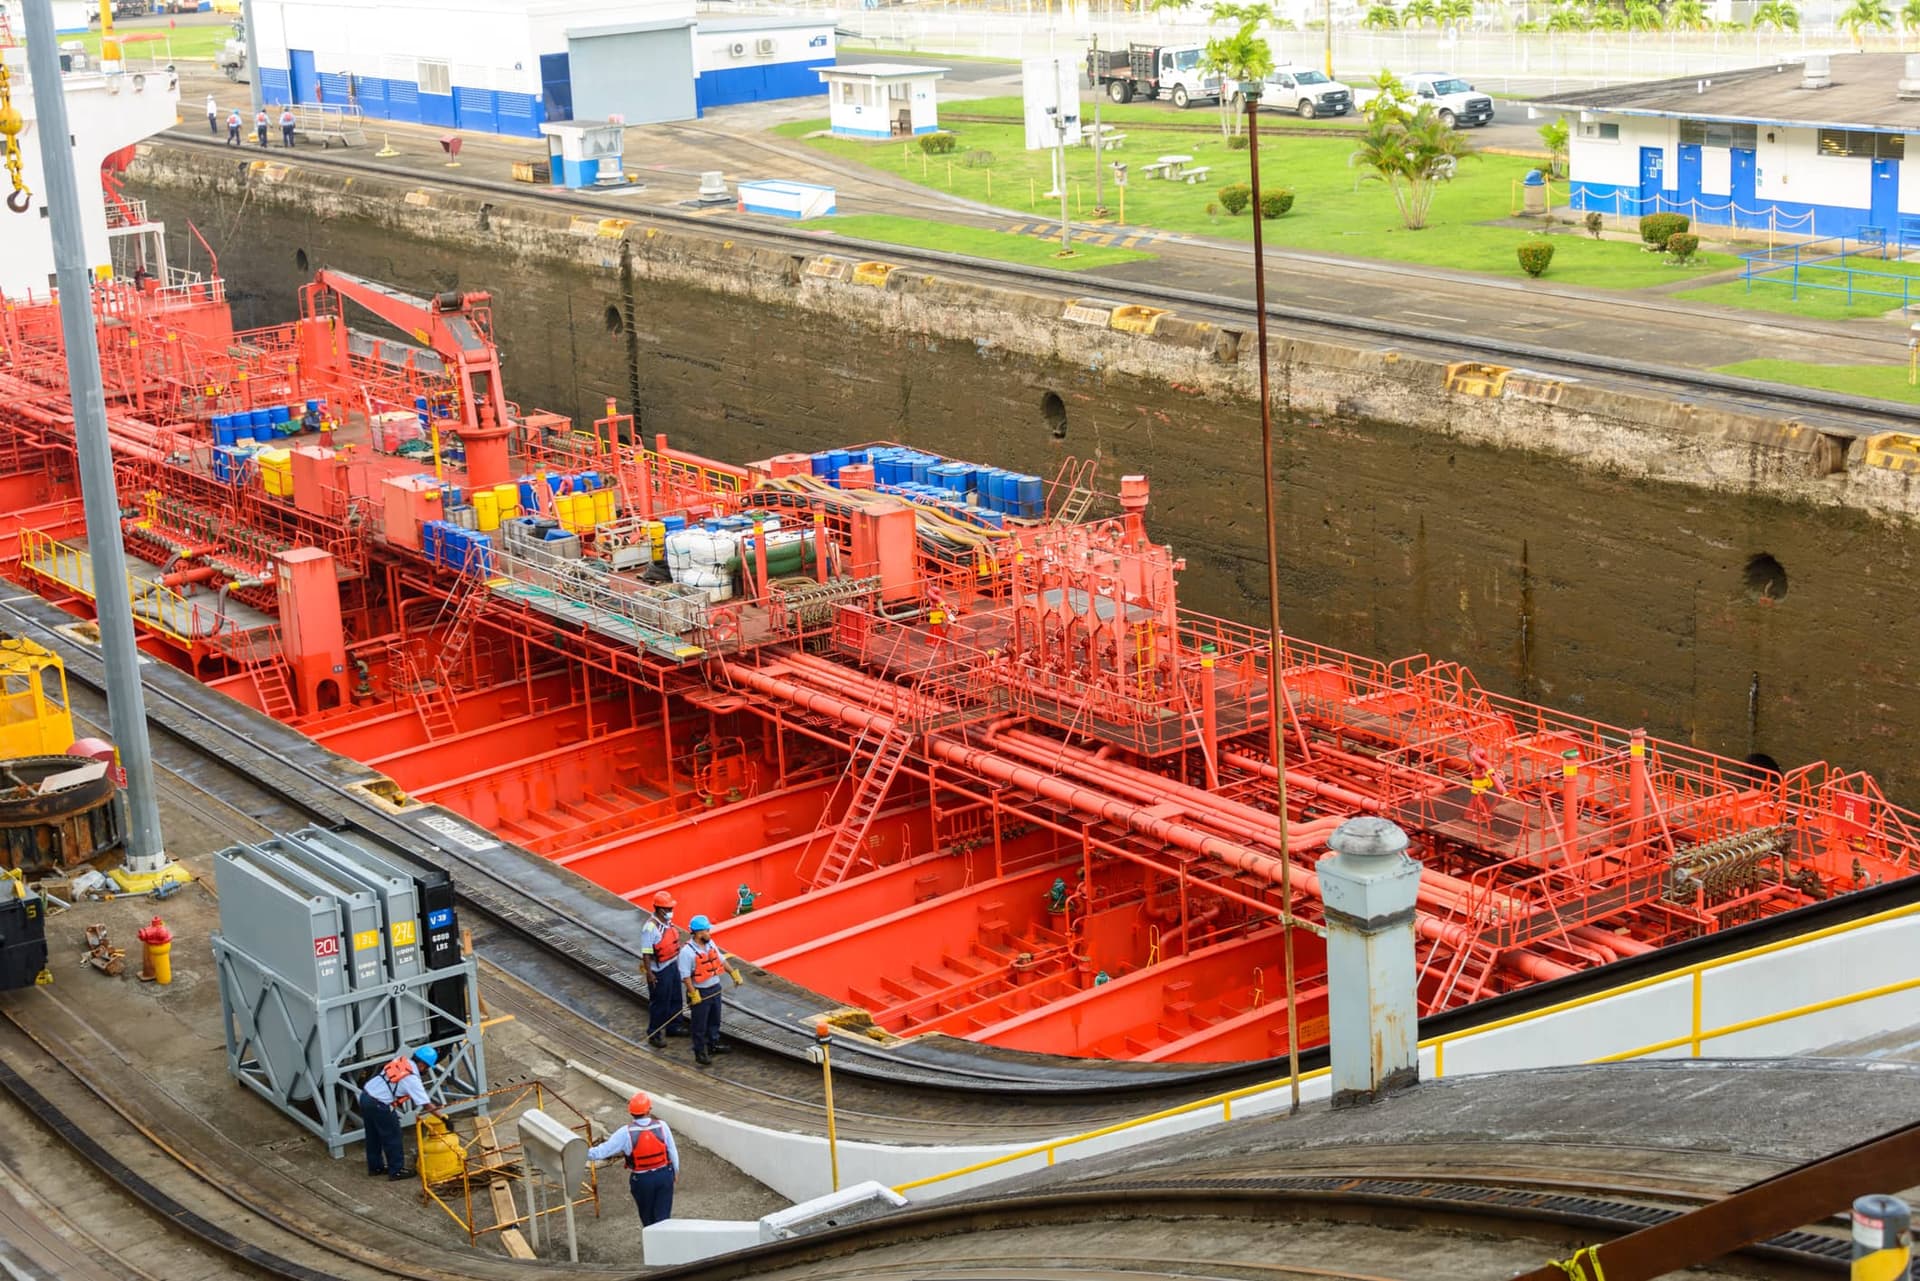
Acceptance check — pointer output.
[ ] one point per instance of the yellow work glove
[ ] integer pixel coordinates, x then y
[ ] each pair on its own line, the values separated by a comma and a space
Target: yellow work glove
693, 996
737, 980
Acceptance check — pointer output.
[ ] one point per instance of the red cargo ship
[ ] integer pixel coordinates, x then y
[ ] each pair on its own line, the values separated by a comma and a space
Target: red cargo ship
933, 741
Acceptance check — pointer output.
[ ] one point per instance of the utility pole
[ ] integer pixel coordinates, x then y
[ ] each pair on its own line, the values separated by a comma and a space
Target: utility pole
1329, 67
1060, 141
147, 863
1276, 704
1099, 198
253, 59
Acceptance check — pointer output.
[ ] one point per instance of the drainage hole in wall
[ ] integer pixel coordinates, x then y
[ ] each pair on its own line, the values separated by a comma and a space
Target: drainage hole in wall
1054, 411
300, 259
616, 323
1766, 578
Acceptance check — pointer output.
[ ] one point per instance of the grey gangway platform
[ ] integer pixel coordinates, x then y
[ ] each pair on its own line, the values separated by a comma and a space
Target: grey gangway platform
323, 958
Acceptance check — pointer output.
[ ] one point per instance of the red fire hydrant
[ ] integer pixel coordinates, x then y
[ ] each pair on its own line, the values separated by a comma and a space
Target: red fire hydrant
156, 958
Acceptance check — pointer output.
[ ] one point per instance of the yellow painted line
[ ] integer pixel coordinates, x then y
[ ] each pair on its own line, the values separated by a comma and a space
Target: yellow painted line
1133, 242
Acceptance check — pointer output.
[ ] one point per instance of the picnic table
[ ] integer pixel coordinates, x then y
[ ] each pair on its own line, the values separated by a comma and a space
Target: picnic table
1106, 137
1171, 168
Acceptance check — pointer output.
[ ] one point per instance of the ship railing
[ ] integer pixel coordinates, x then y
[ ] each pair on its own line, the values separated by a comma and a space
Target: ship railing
158, 607
1845, 817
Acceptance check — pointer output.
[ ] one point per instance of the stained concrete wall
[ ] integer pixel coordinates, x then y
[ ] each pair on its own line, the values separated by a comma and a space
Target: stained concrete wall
1721, 578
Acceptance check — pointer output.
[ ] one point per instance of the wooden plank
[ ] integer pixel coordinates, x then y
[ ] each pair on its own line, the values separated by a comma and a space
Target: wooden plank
516, 1244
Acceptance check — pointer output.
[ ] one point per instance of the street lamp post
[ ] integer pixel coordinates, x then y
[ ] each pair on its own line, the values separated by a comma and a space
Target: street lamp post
1276, 707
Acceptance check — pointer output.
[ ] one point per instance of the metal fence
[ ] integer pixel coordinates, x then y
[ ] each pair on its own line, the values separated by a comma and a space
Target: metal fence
1838, 265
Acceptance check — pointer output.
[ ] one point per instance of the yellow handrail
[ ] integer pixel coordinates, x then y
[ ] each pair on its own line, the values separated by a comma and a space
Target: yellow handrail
1695, 1036
159, 607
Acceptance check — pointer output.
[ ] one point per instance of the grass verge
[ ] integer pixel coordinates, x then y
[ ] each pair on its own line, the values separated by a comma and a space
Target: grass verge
979, 242
1882, 382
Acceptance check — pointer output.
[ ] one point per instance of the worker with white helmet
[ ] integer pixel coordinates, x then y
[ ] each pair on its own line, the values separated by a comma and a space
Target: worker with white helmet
702, 966
386, 1094
653, 1162
660, 943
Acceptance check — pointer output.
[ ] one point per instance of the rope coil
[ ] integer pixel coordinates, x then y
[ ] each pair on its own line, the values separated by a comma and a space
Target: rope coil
1577, 1268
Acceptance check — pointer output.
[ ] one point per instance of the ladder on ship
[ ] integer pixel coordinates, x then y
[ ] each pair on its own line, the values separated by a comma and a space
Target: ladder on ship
465, 606
884, 758
262, 663
1075, 482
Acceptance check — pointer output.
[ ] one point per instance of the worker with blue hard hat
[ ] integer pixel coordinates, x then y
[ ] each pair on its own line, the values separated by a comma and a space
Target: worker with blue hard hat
702, 966
394, 1087
653, 1162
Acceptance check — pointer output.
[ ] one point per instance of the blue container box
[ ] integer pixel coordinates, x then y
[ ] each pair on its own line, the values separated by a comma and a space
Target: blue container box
430, 538
837, 458
673, 523
259, 420
818, 463
1031, 495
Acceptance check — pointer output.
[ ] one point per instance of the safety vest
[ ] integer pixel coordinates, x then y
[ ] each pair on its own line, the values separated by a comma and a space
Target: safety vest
260, 118
286, 118
396, 1071
708, 966
667, 946
233, 121
649, 1150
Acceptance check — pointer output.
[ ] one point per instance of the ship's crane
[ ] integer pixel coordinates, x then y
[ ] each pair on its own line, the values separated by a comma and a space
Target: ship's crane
458, 328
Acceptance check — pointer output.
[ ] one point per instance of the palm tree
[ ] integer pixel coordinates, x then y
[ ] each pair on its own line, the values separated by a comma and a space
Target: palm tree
1691, 15
1384, 17
1238, 58
1455, 13
1910, 15
1412, 155
1642, 15
1778, 14
1608, 19
1419, 11
1567, 20
1862, 14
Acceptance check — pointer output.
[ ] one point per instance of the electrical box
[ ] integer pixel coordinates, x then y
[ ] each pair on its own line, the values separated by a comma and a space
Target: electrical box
312, 637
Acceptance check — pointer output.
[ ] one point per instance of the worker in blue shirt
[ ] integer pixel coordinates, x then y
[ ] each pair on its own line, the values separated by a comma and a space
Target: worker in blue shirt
645, 1145
702, 966
394, 1088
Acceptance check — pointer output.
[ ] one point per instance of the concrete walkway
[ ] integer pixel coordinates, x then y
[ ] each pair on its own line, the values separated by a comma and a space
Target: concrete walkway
1629, 327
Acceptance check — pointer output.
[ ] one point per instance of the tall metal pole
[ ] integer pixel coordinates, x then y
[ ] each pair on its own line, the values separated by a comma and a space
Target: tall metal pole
1329, 67
1099, 197
1276, 708
146, 856
257, 91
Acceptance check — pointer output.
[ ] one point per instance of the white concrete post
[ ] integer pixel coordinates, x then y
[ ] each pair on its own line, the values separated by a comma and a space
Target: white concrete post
1368, 885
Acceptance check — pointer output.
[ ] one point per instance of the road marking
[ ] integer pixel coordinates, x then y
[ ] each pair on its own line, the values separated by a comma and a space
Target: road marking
1427, 315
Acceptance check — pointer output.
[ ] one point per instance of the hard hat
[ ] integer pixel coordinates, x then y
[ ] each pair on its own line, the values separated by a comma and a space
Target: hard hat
663, 899
699, 923
427, 1055
639, 1104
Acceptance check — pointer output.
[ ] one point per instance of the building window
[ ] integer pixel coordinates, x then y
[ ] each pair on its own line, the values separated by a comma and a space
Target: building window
897, 92
846, 93
1717, 133
1863, 145
1600, 131
436, 77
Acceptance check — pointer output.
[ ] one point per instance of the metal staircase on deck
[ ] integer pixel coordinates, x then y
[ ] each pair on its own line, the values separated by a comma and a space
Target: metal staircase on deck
1076, 479
465, 606
258, 654
868, 793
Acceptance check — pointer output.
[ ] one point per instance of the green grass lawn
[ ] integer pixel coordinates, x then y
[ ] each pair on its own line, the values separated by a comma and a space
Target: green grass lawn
1822, 292
1884, 382
1146, 113
1331, 214
200, 40
980, 242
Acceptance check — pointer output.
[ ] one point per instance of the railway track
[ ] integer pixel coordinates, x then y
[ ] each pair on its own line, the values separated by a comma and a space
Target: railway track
1833, 412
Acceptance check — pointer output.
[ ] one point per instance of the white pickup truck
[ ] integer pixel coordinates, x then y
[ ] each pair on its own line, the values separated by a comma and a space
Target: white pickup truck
1452, 99
1305, 92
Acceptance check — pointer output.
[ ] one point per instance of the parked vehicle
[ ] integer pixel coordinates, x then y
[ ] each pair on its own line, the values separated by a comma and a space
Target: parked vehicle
1153, 71
1305, 92
1452, 98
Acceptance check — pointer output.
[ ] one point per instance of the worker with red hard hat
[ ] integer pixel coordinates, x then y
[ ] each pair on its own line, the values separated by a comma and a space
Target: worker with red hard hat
660, 944
395, 1087
702, 966
653, 1163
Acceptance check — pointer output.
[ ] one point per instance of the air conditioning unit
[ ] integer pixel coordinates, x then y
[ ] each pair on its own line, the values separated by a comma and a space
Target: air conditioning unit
764, 45
738, 49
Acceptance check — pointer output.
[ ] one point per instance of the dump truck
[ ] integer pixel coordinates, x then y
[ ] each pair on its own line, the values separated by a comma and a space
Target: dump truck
1153, 71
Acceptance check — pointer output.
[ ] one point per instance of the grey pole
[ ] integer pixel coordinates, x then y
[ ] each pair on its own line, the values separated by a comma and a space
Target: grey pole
1369, 888
253, 57
126, 705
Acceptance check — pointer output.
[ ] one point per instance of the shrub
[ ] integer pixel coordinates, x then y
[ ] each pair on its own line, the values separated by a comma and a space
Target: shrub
1682, 245
977, 159
1656, 227
1213, 210
939, 144
1237, 142
1273, 204
1534, 257
1594, 223
1235, 197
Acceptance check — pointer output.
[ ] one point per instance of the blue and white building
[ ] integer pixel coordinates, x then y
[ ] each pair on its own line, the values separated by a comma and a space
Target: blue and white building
882, 99
509, 66
1815, 148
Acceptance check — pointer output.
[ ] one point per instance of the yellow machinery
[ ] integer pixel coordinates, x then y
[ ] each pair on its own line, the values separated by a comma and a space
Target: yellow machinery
34, 720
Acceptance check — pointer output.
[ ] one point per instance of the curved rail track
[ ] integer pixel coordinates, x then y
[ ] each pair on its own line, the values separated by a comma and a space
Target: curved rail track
1835, 412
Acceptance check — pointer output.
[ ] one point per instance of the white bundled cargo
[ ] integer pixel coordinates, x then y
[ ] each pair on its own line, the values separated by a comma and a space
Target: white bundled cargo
701, 558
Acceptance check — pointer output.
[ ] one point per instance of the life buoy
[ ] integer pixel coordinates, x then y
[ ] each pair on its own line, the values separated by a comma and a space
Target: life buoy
723, 625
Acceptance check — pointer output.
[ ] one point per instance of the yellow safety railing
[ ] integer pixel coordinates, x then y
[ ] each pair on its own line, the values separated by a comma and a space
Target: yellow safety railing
160, 608
1696, 1035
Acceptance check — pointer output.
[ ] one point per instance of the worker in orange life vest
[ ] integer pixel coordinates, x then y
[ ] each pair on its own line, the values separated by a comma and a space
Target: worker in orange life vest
652, 1161
702, 966
393, 1088
660, 944
260, 125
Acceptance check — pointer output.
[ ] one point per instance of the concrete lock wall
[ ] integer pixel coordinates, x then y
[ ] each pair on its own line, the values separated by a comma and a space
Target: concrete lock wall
796, 1165
1727, 579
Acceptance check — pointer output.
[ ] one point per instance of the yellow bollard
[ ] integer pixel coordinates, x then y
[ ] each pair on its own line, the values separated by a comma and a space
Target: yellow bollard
989, 184
1033, 198
156, 960
949, 175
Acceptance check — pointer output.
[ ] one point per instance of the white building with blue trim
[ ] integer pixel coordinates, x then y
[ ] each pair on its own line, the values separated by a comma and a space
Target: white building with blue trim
509, 66
1813, 148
